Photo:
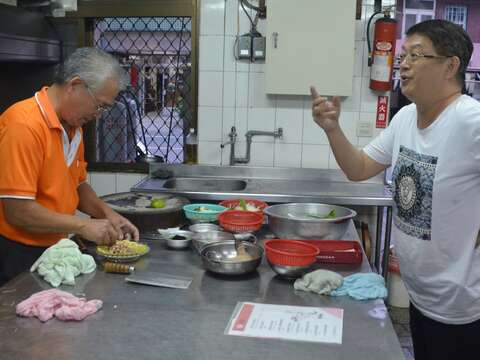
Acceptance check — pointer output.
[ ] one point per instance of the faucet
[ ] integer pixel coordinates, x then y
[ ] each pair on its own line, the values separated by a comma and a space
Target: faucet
249, 135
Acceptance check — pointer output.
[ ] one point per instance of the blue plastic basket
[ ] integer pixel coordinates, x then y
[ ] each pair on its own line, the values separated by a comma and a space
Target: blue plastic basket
203, 216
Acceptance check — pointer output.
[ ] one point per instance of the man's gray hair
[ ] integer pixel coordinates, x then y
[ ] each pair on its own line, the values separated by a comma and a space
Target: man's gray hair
93, 66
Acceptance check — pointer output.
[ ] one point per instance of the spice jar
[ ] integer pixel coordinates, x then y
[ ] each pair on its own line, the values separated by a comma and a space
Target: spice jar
111, 267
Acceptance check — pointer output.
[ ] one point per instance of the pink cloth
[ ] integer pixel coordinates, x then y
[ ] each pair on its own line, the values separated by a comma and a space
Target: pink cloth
63, 305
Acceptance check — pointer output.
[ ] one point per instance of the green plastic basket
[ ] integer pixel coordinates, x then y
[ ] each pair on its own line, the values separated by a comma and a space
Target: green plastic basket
210, 212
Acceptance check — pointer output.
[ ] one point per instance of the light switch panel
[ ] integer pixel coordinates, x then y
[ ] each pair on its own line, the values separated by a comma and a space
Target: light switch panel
365, 128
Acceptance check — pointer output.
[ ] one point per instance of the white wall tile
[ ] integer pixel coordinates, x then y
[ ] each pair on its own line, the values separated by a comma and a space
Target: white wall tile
229, 88
209, 153
291, 121
348, 124
239, 98
262, 119
211, 53
104, 183
288, 155
228, 120
242, 90
360, 30
261, 154
257, 66
257, 97
352, 103
209, 123
291, 101
210, 88
359, 58
125, 181
231, 17
315, 156
229, 62
241, 122
368, 100
312, 133
212, 13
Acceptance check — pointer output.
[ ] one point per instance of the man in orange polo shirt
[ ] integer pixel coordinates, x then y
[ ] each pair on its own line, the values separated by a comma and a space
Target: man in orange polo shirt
43, 181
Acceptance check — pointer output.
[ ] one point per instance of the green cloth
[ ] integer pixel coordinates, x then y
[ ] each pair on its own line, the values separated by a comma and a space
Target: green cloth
60, 263
322, 282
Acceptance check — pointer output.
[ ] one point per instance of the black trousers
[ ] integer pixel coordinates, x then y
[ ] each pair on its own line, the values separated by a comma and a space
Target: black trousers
16, 258
433, 340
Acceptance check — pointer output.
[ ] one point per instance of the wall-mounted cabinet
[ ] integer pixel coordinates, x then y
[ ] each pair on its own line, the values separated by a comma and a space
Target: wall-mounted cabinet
310, 42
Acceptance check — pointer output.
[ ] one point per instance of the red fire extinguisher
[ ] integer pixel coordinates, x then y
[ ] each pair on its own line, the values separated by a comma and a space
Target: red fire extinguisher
383, 53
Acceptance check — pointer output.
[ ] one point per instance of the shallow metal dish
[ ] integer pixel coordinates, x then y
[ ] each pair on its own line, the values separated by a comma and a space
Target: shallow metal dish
179, 243
219, 258
300, 221
289, 272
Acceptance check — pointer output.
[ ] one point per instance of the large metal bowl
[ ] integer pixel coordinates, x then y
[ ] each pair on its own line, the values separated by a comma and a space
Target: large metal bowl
220, 258
301, 221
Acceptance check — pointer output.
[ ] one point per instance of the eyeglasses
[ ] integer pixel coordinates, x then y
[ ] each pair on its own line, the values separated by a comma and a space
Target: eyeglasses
411, 58
99, 108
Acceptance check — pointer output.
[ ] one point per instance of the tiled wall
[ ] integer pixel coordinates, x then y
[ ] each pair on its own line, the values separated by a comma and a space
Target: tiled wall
110, 183
232, 93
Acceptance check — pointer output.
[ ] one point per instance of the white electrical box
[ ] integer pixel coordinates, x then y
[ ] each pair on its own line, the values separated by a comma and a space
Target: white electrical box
310, 42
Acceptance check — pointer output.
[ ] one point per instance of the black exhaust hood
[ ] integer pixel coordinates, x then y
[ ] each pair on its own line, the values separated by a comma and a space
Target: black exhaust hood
27, 36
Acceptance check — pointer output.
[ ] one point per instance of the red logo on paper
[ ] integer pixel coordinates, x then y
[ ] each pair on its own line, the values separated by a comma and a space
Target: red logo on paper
384, 46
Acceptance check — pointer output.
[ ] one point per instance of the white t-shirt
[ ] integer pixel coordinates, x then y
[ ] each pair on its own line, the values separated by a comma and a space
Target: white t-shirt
436, 187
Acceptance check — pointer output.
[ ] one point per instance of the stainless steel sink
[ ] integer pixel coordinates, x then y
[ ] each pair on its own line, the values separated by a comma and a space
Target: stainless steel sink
205, 184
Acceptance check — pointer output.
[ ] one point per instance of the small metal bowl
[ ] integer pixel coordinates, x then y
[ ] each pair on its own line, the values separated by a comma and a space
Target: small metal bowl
200, 240
203, 227
289, 272
220, 257
182, 243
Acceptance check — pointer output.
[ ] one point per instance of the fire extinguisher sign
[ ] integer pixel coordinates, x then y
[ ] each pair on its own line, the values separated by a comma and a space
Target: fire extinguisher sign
382, 111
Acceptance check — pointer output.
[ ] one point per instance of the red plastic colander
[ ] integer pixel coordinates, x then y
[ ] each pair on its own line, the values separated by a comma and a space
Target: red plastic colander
290, 252
233, 203
240, 221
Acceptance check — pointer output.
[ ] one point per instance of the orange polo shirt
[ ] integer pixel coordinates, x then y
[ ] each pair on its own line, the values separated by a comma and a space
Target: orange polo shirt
34, 165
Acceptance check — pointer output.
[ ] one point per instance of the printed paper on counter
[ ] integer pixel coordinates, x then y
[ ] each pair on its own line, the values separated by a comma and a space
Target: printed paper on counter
300, 323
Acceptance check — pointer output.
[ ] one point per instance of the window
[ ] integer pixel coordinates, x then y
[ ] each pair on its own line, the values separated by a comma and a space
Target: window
155, 42
456, 14
416, 11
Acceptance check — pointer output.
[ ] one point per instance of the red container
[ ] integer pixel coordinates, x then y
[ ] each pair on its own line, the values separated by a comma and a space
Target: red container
240, 221
290, 252
337, 251
232, 204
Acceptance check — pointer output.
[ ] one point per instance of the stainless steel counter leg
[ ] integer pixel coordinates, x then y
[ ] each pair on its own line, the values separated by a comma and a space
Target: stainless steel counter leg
378, 238
386, 248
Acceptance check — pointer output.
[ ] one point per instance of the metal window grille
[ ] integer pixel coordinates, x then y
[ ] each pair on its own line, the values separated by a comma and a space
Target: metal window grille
456, 14
153, 115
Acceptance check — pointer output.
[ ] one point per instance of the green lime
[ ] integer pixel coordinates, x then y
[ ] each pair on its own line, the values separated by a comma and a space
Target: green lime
158, 203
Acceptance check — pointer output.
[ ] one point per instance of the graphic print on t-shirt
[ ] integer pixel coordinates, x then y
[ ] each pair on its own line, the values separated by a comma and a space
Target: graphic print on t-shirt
413, 185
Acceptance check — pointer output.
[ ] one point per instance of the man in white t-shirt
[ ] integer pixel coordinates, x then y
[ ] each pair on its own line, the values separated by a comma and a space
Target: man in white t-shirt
433, 145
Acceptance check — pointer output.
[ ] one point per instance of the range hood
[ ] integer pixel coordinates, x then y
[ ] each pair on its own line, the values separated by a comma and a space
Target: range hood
28, 49
27, 36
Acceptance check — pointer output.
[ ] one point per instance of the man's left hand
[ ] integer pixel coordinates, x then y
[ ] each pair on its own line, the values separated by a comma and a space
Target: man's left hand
123, 226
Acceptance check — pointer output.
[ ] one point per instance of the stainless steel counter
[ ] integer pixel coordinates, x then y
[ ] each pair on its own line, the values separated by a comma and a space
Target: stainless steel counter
277, 185
143, 322
270, 184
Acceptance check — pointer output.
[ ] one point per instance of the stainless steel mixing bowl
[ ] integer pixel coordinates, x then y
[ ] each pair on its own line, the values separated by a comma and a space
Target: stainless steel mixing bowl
220, 257
303, 221
200, 240
289, 272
